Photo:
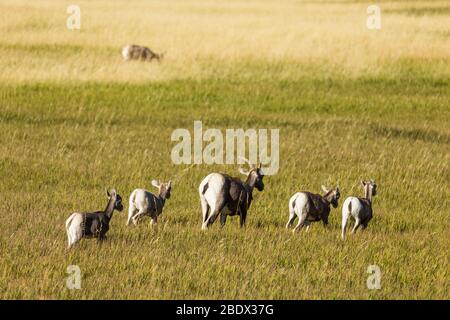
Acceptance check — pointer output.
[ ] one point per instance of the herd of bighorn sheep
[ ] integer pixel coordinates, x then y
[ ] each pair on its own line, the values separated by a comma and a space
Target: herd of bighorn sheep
223, 195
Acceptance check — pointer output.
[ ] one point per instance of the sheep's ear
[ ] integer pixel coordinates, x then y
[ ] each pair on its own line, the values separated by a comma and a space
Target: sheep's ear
244, 172
107, 193
363, 183
155, 183
324, 189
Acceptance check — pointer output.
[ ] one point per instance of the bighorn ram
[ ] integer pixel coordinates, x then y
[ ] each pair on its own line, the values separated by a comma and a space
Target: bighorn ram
93, 224
135, 52
310, 207
143, 202
359, 208
220, 193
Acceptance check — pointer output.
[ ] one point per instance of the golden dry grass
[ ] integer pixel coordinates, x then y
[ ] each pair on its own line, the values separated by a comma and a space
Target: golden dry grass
199, 35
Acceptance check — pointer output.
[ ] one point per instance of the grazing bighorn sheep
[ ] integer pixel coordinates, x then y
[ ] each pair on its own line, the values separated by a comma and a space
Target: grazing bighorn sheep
221, 193
93, 224
310, 207
143, 202
135, 52
359, 208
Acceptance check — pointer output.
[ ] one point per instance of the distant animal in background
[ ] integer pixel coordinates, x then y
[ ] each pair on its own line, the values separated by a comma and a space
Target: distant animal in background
359, 208
93, 224
228, 196
310, 207
143, 202
135, 52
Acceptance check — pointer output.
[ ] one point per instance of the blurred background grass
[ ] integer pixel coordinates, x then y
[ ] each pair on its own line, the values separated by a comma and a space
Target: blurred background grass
205, 39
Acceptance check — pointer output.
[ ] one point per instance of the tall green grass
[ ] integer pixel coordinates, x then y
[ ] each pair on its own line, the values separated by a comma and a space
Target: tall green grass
61, 144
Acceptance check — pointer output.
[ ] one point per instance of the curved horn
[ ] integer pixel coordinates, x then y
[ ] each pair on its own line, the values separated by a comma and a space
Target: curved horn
244, 172
156, 183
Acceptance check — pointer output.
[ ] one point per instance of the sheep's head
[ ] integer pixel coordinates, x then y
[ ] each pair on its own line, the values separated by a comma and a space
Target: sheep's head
117, 199
254, 175
371, 185
161, 55
332, 195
164, 188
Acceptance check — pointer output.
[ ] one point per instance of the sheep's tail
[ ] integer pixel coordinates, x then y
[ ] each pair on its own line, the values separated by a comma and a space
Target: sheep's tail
132, 197
69, 220
345, 216
205, 187
131, 207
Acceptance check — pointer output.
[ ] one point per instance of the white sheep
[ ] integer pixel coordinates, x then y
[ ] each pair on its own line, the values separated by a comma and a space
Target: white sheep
359, 208
310, 207
93, 224
143, 202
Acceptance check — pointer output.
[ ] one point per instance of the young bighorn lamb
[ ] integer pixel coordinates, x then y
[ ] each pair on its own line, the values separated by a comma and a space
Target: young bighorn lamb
135, 52
310, 207
93, 224
221, 193
359, 208
143, 202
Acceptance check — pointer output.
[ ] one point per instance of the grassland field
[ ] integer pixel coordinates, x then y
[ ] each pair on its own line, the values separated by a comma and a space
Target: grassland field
351, 104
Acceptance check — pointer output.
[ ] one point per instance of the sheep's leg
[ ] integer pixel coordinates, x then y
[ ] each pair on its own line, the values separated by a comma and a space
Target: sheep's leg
75, 236
325, 221
357, 224
207, 222
365, 223
300, 224
307, 224
212, 218
137, 216
345, 215
215, 210
291, 219
131, 212
205, 209
154, 220
215, 213
242, 217
223, 218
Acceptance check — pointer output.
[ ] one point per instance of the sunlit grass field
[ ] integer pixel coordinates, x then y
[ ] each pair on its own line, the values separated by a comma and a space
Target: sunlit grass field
351, 104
